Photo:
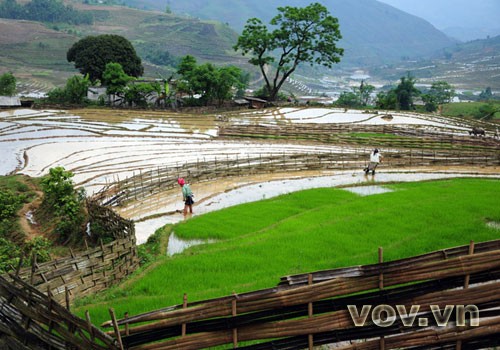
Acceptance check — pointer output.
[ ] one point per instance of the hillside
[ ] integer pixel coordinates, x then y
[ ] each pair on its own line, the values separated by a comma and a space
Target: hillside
36, 54
373, 32
461, 19
472, 65
377, 38
33, 52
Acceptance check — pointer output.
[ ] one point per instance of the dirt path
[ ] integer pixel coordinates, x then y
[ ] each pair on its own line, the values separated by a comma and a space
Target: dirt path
26, 219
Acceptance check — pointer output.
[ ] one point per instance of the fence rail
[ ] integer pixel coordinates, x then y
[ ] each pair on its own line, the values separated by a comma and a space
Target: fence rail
31, 315
154, 181
32, 320
312, 309
353, 133
92, 270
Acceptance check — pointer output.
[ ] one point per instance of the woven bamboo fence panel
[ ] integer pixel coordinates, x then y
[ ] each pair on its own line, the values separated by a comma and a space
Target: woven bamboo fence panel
402, 136
92, 270
150, 182
32, 320
309, 310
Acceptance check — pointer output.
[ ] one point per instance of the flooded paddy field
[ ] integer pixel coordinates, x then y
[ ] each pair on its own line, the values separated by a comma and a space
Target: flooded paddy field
215, 195
102, 146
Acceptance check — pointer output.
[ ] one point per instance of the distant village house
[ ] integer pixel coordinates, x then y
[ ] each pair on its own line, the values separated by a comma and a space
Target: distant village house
9, 102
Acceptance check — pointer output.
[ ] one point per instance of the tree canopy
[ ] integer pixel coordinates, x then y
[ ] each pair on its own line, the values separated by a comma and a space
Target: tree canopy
358, 97
92, 53
440, 93
7, 84
211, 82
401, 97
115, 78
52, 11
299, 35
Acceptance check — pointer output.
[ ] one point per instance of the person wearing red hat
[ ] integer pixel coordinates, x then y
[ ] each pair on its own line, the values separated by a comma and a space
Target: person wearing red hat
187, 196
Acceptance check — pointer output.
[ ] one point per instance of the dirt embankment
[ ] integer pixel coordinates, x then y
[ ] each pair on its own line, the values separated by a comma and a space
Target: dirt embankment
26, 215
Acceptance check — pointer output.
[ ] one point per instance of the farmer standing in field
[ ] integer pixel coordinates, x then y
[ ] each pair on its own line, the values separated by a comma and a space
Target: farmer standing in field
187, 196
375, 159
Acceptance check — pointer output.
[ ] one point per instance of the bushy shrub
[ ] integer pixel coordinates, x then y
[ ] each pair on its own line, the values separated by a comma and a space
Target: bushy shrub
7, 84
9, 255
39, 246
75, 91
66, 202
10, 203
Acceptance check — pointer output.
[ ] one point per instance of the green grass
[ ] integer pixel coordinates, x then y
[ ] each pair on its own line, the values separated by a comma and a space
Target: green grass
467, 109
370, 135
13, 184
306, 231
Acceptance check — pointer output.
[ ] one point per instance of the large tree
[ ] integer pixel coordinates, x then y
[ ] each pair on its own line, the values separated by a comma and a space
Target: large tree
401, 97
405, 93
92, 53
298, 35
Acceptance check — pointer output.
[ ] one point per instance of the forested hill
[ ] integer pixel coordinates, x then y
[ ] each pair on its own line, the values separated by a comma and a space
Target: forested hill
373, 32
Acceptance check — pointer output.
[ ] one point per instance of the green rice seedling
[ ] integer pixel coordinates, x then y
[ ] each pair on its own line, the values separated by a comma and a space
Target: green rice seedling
311, 230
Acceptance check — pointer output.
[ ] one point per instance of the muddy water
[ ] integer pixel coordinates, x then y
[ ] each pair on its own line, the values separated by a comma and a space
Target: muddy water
177, 245
213, 196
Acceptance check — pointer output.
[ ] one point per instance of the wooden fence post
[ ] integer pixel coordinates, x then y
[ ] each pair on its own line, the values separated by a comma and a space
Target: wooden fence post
234, 313
89, 325
33, 268
466, 286
18, 269
184, 305
310, 337
115, 327
467, 277
381, 275
381, 287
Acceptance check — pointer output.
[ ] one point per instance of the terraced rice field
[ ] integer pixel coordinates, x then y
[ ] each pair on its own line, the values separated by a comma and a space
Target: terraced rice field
102, 147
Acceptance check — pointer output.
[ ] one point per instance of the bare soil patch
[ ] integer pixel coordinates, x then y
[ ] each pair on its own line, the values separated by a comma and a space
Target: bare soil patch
16, 32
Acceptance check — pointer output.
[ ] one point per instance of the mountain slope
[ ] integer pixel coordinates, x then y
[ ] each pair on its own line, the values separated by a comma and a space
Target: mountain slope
36, 53
461, 19
373, 32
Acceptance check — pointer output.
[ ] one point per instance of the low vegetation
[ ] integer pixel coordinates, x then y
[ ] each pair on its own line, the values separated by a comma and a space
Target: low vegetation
14, 194
51, 11
489, 110
64, 205
57, 218
305, 231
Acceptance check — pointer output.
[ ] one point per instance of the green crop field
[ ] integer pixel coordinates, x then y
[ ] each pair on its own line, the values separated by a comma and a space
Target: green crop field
468, 109
311, 230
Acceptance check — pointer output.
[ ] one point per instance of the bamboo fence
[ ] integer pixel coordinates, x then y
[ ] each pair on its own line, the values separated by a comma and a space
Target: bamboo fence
401, 136
32, 320
147, 183
31, 315
402, 147
311, 310
93, 269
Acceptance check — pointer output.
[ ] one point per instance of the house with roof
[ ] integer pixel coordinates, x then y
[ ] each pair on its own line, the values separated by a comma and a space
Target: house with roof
9, 102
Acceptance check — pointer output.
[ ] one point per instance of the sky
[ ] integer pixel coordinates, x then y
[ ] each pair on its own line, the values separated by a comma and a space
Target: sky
479, 17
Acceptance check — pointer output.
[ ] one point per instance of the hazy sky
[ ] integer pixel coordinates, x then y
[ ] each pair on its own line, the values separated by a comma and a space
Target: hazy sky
453, 13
